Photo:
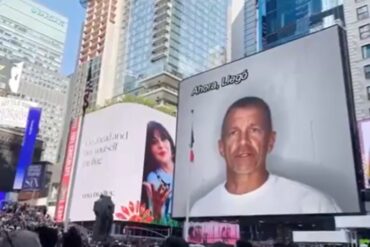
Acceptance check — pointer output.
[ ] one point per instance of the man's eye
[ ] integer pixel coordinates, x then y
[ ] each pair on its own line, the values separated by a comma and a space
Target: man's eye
233, 132
255, 130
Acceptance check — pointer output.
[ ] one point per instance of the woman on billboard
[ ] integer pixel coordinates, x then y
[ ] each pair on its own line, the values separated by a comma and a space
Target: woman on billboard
158, 171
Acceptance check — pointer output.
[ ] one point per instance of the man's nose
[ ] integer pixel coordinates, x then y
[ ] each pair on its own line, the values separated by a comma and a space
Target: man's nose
245, 138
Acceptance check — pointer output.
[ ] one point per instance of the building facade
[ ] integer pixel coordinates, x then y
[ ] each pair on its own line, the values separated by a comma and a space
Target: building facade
99, 53
358, 35
179, 37
48, 90
32, 38
133, 44
282, 21
268, 23
32, 33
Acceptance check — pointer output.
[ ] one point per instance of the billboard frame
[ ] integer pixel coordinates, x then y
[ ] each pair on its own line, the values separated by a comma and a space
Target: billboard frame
347, 78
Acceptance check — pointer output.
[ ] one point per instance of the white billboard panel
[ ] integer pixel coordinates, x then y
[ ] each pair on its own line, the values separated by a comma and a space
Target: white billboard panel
14, 112
115, 159
270, 134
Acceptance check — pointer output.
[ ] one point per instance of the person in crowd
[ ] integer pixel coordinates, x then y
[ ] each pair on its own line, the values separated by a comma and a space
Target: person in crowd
20, 238
279, 245
48, 236
158, 171
247, 137
72, 238
174, 242
243, 243
220, 244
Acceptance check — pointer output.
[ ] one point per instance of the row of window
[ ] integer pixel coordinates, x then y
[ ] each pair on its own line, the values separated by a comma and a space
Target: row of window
363, 13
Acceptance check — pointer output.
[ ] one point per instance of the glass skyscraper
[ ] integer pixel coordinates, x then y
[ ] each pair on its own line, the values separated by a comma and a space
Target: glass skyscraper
178, 37
33, 36
282, 21
32, 33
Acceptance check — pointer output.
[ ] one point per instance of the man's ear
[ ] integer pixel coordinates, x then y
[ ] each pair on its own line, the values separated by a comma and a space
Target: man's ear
271, 143
221, 149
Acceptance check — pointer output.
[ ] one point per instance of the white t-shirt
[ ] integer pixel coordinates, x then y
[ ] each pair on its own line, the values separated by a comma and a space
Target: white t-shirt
278, 195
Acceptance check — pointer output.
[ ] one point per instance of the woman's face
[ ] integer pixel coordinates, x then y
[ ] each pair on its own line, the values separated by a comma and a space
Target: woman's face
161, 148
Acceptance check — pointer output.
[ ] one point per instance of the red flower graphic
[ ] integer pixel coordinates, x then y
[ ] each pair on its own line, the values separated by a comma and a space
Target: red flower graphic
135, 212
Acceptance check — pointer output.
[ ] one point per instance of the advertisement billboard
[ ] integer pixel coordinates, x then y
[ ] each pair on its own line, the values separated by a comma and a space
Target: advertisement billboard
269, 135
14, 112
34, 178
28, 146
10, 146
69, 161
213, 232
364, 131
126, 152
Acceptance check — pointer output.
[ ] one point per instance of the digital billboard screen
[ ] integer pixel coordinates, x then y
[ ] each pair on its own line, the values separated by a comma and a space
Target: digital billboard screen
10, 146
127, 152
364, 131
270, 134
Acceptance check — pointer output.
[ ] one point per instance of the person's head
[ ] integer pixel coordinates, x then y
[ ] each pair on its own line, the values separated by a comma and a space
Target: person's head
247, 136
72, 238
174, 242
160, 147
279, 245
242, 243
48, 236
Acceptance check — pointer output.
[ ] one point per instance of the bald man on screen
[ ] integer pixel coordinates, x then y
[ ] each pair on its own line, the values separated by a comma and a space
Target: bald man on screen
247, 136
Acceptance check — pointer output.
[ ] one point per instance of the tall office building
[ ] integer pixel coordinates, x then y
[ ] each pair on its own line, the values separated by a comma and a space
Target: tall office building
32, 33
357, 17
104, 23
48, 90
153, 44
282, 21
32, 38
268, 23
179, 37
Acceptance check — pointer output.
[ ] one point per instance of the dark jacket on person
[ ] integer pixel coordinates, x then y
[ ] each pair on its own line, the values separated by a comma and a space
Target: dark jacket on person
21, 238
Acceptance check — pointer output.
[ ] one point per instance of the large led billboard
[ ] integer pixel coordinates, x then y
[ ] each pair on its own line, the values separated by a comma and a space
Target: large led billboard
10, 146
270, 134
127, 152
364, 129
213, 232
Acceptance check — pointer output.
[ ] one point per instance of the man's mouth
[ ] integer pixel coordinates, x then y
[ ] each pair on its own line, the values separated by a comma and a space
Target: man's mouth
244, 155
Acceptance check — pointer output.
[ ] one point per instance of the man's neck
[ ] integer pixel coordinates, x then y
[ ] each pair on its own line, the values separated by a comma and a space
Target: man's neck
242, 184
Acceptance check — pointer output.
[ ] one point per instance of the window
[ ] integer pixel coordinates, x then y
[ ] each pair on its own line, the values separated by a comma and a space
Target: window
366, 51
368, 92
367, 71
364, 31
362, 12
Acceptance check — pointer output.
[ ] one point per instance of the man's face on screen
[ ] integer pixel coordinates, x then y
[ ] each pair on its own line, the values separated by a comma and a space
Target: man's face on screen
246, 140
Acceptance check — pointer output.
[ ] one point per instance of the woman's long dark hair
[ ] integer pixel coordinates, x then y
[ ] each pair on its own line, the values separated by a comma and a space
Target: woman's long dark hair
150, 164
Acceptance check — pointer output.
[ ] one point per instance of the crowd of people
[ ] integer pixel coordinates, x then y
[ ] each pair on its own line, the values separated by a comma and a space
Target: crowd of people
23, 225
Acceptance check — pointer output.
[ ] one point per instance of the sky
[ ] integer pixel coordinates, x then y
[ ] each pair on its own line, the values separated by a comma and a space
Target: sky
75, 14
